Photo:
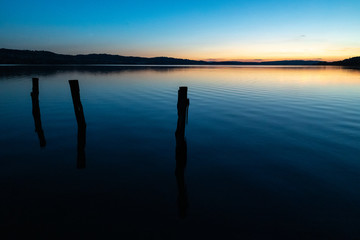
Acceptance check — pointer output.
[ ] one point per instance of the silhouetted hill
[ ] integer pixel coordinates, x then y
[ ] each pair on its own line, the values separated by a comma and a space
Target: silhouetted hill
285, 62
353, 62
10, 56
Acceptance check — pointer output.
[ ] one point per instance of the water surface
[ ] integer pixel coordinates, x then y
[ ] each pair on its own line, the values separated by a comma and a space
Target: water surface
271, 152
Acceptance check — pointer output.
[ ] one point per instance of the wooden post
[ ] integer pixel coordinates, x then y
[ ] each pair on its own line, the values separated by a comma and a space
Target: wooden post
75, 93
35, 86
79, 113
182, 106
181, 151
36, 111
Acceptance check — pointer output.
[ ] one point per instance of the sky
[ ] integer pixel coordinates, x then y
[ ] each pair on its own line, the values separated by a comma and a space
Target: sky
254, 30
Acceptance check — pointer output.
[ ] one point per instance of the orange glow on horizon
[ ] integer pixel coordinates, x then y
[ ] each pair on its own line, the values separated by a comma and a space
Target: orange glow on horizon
254, 53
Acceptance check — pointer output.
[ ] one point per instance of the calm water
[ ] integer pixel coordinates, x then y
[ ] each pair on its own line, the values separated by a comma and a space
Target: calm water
271, 152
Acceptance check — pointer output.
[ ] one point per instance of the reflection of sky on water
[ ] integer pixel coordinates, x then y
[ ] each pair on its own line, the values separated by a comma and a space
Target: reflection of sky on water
271, 147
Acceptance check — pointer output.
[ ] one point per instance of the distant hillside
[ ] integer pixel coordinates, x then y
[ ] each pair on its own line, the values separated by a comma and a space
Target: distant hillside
285, 62
10, 56
353, 62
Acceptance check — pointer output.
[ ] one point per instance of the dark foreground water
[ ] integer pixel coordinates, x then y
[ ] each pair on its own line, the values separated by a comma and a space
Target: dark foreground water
269, 153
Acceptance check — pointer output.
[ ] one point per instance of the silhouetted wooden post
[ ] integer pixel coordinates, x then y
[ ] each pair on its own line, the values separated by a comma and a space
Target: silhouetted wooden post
75, 93
36, 111
35, 86
79, 113
181, 151
182, 106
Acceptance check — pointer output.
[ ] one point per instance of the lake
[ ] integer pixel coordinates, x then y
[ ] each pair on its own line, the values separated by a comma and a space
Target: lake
263, 152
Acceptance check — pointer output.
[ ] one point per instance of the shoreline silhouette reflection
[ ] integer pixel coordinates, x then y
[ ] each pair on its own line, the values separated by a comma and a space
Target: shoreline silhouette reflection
79, 113
36, 111
181, 151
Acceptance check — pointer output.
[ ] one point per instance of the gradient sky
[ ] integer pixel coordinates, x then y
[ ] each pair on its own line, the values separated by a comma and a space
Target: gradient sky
220, 30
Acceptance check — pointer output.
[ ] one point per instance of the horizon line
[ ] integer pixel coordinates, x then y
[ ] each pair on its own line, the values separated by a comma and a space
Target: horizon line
210, 60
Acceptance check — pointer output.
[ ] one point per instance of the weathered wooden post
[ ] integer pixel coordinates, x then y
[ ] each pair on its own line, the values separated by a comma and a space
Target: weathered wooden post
181, 150
35, 86
182, 106
36, 111
75, 93
79, 113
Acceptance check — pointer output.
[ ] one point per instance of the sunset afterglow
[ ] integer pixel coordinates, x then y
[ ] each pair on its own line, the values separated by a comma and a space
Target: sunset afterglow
203, 30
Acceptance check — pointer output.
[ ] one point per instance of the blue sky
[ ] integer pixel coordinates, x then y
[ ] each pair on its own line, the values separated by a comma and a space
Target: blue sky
241, 30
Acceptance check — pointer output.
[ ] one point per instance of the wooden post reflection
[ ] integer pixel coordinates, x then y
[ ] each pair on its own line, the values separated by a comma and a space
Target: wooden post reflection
181, 151
79, 113
36, 111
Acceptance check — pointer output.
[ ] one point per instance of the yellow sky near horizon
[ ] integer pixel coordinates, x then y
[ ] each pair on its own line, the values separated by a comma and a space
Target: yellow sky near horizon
256, 52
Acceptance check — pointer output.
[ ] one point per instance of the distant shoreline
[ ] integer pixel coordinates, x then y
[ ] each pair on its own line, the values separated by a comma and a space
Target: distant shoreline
27, 57
155, 65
